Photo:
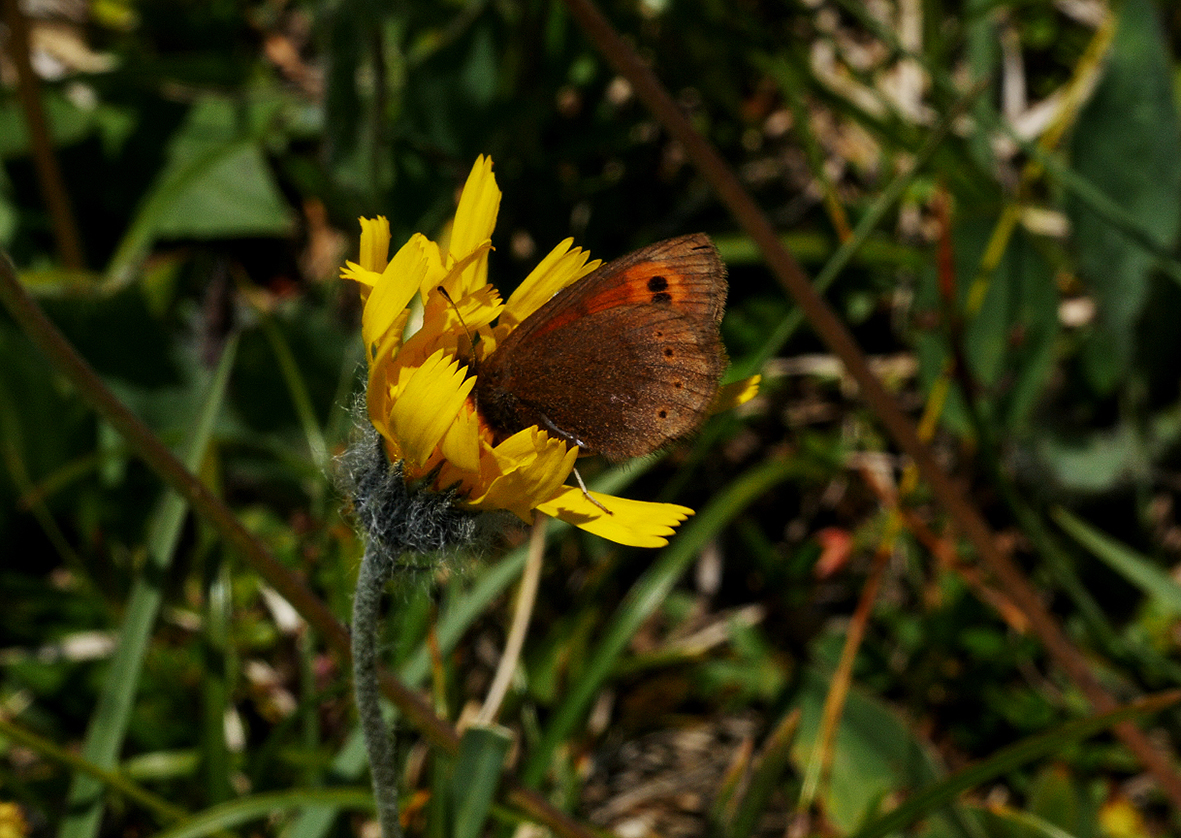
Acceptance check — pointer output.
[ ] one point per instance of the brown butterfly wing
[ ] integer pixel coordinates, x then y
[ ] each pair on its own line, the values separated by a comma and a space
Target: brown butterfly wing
621, 362
686, 273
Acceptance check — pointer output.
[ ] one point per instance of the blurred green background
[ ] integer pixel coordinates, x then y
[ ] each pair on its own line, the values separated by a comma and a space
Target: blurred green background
215, 156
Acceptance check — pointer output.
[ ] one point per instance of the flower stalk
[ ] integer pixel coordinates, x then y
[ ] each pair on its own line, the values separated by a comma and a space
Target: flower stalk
401, 524
379, 745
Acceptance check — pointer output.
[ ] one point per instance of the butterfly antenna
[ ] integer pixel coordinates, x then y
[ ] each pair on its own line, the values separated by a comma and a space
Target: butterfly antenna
470, 341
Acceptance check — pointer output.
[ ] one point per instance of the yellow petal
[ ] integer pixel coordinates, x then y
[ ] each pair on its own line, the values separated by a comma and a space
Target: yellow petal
364, 276
437, 261
465, 314
379, 392
426, 405
524, 470
389, 297
375, 243
441, 327
736, 393
451, 324
461, 443
633, 522
561, 267
475, 219
450, 279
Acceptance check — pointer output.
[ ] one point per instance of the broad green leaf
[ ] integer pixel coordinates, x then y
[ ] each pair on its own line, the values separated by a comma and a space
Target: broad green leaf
67, 122
1128, 144
216, 184
232, 194
875, 756
1097, 461
1057, 797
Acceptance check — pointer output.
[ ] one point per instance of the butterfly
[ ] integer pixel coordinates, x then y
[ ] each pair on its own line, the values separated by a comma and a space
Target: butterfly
621, 362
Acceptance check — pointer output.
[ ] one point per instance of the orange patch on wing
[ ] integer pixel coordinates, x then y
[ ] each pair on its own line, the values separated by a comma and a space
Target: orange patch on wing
649, 282
645, 284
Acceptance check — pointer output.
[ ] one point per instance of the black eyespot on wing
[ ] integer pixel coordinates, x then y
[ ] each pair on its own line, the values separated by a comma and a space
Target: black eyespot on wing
657, 283
662, 298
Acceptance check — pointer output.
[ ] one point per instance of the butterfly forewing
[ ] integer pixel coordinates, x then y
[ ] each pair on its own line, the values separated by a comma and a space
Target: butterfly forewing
621, 362
684, 273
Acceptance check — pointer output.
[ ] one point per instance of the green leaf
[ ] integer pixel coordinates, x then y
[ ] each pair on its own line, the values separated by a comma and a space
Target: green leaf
1095, 462
874, 754
217, 184
475, 776
1057, 798
67, 123
232, 193
1126, 144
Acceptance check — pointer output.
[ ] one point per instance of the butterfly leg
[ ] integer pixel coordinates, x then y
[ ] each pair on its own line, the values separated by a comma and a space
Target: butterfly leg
587, 495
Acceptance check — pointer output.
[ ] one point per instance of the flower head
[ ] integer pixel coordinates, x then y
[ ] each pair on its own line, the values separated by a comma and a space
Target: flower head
419, 395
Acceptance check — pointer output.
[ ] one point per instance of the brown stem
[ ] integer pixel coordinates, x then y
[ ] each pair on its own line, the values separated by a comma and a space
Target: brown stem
140, 439
968, 519
49, 176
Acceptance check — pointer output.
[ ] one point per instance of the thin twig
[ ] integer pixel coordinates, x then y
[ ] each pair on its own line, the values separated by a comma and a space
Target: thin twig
821, 757
829, 327
49, 176
523, 610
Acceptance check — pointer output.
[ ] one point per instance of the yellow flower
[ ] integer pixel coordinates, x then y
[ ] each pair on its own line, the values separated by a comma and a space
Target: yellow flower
419, 392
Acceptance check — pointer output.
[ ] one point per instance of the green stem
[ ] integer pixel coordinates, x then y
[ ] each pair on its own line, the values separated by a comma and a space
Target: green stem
379, 744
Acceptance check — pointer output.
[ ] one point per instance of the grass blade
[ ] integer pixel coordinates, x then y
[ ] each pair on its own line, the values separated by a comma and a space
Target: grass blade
1133, 566
245, 809
108, 725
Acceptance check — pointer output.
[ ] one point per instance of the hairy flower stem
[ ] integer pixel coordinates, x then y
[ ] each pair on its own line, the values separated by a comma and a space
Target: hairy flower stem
378, 738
